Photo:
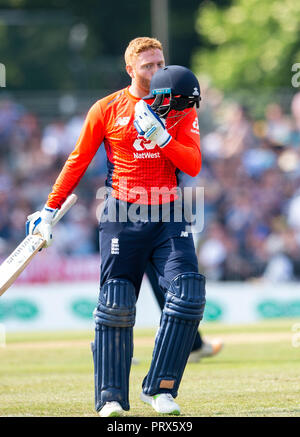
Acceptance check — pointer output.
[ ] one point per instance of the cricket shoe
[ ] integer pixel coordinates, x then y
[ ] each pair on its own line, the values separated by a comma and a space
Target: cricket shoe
111, 409
206, 350
162, 403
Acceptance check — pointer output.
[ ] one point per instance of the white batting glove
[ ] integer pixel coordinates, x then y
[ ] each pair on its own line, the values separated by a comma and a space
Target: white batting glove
150, 125
40, 223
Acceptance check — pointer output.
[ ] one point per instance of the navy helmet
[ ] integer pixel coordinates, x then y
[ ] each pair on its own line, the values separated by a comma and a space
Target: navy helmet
178, 84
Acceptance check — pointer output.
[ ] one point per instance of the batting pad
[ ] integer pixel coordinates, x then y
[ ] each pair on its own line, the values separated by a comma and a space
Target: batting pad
113, 346
183, 310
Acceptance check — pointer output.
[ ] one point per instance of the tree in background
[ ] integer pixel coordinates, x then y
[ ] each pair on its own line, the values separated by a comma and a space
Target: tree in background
251, 44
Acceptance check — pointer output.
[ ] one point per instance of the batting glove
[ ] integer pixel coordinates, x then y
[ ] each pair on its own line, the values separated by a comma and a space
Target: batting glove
150, 125
40, 222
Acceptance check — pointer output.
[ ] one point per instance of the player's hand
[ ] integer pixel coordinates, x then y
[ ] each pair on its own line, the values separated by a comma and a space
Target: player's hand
150, 125
40, 222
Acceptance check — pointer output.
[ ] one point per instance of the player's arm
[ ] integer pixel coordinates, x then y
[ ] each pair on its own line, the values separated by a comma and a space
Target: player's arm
183, 149
86, 147
89, 141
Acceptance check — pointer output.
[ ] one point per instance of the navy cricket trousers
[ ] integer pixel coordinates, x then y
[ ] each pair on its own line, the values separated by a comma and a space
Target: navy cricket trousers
126, 247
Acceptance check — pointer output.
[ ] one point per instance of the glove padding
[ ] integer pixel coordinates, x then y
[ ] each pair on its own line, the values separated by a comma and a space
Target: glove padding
149, 125
40, 222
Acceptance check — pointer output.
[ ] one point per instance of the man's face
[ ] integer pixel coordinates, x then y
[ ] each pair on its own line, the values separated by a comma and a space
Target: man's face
144, 67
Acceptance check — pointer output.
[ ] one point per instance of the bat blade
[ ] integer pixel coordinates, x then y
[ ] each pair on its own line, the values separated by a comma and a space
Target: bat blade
16, 262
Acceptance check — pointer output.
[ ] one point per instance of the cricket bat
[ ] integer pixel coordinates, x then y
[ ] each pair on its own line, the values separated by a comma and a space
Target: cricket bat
14, 265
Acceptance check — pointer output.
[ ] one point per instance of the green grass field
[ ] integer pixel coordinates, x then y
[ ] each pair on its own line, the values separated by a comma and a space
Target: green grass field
256, 374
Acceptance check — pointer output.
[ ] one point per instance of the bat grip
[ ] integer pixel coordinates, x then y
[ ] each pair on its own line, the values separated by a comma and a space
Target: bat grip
69, 202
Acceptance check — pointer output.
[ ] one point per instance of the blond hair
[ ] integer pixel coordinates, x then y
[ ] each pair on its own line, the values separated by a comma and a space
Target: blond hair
139, 45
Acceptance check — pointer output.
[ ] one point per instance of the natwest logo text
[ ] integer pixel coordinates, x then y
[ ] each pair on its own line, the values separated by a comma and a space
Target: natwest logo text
143, 144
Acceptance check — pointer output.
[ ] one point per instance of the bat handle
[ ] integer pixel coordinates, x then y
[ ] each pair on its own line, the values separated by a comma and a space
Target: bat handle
70, 201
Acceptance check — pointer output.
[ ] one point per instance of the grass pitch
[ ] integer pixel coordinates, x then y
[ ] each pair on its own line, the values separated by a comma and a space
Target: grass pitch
256, 374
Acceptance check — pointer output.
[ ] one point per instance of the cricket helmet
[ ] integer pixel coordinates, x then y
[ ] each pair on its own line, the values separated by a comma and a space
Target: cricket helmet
176, 83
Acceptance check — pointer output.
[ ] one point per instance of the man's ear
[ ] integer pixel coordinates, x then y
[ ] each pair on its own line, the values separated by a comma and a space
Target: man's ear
130, 71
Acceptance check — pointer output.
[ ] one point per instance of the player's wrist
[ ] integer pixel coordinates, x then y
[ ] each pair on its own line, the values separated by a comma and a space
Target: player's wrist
47, 214
164, 139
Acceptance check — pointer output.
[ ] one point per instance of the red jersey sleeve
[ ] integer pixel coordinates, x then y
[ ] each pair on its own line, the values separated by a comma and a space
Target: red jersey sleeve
89, 141
184, 148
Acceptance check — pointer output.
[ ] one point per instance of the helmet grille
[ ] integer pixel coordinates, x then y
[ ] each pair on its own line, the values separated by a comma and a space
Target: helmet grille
176, 103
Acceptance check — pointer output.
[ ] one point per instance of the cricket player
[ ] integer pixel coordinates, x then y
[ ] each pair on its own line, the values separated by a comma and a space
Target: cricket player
145, 146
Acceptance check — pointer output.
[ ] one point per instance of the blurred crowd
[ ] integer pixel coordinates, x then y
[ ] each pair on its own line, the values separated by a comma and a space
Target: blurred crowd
250, 175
